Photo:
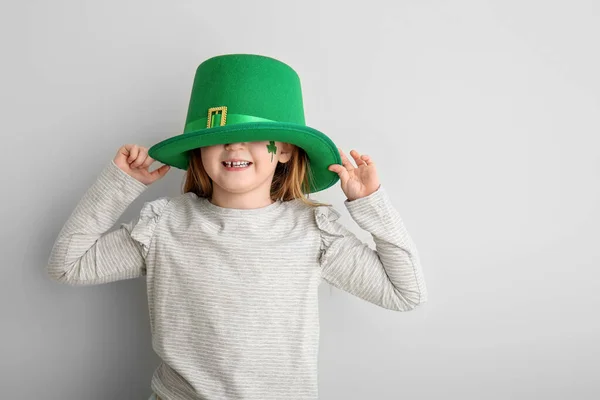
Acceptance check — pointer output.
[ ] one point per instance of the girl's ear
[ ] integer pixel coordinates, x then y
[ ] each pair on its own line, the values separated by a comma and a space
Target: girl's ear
286, 152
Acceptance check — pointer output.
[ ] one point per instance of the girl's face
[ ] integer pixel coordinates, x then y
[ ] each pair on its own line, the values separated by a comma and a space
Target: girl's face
252, 178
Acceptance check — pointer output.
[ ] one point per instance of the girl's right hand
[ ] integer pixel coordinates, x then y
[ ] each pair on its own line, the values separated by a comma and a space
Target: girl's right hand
134, 160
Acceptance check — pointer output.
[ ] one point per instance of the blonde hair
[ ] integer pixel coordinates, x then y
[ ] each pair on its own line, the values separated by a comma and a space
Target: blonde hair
290, 181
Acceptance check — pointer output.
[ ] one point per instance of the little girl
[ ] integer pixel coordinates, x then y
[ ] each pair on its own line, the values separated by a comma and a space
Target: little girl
233, 264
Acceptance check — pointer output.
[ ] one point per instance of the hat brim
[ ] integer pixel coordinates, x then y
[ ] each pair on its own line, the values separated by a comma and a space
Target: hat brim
320, 149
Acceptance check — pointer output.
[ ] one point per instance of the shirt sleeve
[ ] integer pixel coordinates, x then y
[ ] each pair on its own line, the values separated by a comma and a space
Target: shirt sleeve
85, 252
389, 276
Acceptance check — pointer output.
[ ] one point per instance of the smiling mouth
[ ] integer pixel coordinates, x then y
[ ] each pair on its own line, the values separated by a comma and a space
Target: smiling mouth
236, 164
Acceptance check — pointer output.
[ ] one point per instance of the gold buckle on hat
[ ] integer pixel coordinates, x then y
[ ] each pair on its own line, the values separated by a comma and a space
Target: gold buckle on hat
214, 110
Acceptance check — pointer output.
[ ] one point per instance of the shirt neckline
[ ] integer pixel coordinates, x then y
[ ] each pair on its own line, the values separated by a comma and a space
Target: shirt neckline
218, 210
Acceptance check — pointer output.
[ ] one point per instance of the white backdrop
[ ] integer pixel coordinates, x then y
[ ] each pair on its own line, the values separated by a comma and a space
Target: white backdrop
482, 117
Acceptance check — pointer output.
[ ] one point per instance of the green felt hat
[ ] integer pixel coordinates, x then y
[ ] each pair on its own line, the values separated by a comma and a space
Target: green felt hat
249, 98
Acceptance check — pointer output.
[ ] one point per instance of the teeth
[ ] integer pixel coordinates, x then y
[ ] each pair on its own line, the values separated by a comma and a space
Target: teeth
237, 164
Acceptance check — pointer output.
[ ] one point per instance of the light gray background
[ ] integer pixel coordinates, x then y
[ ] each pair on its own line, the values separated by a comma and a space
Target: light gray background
483, 119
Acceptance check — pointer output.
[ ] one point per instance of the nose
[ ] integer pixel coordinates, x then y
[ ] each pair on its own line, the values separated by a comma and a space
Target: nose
235, 145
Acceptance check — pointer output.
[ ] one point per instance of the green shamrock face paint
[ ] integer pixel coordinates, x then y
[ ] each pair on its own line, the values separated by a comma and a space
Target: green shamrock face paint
271, 148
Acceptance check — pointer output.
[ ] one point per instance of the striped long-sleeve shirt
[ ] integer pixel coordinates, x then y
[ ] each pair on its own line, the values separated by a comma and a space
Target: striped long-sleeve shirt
233, 293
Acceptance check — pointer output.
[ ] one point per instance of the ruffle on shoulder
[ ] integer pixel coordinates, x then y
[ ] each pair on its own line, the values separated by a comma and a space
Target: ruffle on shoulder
326, 217
150, 213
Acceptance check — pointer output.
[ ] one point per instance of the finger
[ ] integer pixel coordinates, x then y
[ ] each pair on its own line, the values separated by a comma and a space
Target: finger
368, 160
140, 159
133, 153
357, 158
345, 161
125, 150
149, 160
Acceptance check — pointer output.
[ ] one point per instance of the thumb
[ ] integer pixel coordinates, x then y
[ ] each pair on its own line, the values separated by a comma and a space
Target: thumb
160, 172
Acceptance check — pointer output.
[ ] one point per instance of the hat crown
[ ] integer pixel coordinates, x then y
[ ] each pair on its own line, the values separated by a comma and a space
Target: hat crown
247, 84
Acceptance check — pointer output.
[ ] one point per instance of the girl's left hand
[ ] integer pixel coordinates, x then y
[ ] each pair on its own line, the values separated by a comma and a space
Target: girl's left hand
359, 181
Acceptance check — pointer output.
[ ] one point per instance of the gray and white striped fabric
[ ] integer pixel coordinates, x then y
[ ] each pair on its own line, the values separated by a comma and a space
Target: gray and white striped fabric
233, 293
